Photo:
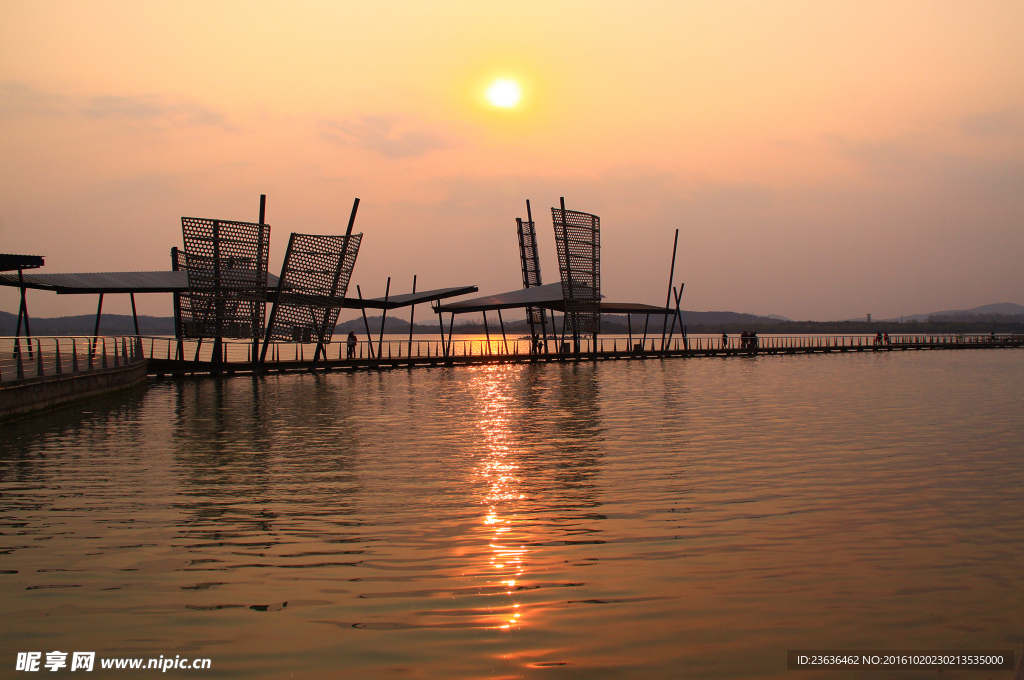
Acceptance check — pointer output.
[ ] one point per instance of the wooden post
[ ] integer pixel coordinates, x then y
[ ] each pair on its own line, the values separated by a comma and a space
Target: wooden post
277, 296
543, 313
176, 298
440, 321
668, 294
504, 339
254, 350
96, 330
21, 312
24, 313
487, 332
451, 330
135, 316
383, 317
675, 316
568, 273
366, 323
412, 315
322, 331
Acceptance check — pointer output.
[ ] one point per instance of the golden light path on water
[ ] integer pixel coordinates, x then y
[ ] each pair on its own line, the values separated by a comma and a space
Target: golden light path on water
498, 475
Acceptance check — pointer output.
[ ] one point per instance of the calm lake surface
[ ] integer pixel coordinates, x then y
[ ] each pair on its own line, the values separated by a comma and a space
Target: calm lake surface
654, 519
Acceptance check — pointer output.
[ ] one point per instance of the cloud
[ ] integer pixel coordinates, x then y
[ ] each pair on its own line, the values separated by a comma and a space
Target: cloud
876, 153
390, 136
20, 99
17, 98
148, 108
1003, 123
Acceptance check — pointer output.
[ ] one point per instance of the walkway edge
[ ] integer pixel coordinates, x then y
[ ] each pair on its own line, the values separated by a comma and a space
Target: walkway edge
27, 397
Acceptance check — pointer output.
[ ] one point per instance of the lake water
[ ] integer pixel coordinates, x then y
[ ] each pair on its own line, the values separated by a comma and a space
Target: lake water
654, 519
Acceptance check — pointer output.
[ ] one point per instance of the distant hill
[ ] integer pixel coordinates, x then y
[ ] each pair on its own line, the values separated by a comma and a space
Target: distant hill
1004, 317
121, 324
110, 324
1000, 309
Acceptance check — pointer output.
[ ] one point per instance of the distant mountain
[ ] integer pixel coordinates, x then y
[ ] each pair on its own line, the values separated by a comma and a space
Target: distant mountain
714, 318
121, 324
110, 324
1003, 317
984, 312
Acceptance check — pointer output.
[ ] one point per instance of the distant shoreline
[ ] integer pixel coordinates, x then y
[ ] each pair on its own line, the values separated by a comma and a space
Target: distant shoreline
121, 324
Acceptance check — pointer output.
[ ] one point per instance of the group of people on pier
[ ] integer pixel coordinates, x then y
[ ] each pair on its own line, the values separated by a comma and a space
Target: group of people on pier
747, 340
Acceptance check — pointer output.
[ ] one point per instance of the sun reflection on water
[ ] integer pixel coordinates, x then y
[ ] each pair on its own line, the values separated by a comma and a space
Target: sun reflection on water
499, 470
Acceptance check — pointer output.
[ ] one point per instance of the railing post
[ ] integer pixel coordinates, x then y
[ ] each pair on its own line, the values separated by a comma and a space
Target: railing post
104, 353
39, 358
74, 356
21, 366
56, 356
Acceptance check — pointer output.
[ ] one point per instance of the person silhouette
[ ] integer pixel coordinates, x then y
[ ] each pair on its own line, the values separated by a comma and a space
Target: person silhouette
352, 341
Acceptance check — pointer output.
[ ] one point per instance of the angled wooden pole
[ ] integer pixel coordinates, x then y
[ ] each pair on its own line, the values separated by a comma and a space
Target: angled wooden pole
412, 315
668, 295
135, 316
383, 317
366, 323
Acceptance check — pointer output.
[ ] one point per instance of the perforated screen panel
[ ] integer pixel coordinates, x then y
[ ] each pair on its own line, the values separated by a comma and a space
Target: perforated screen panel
314, 280
578, 241
227, 278
531, 265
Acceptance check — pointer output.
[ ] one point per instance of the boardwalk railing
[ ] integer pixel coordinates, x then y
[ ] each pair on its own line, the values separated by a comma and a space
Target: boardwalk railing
37, 357
189, 355
26, 358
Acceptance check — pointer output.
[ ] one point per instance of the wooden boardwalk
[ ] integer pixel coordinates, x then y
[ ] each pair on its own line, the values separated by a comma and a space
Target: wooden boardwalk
476, 353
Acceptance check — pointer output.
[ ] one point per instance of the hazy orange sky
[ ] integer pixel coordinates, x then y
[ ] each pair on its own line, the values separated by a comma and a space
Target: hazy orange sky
821, 160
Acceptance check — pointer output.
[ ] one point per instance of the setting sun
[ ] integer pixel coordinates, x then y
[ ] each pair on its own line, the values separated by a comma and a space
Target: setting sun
504, 93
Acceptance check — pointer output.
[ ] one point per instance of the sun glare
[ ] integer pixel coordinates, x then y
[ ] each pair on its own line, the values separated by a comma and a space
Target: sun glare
504, 93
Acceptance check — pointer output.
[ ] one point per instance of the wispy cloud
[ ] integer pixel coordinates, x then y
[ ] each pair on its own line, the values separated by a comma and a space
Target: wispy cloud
1006, 122
20, 99
390, 136
877, 153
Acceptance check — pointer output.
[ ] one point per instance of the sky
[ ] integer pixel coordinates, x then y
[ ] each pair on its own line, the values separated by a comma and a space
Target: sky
821, 160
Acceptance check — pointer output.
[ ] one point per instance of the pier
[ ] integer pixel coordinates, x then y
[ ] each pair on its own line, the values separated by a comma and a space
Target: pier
164, 360
221, 287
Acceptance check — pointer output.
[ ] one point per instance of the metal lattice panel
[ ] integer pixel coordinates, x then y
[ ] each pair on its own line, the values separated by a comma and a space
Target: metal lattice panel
578, 241
314, 280
227, 278
531, 265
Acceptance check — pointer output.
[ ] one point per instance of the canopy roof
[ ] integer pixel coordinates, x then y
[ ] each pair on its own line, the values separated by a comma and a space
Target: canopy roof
539, 296
548, 296
407, 299
12, 262
177, 282
108, 282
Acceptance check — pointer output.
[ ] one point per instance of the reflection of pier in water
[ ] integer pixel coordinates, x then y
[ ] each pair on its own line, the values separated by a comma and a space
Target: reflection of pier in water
247, 497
